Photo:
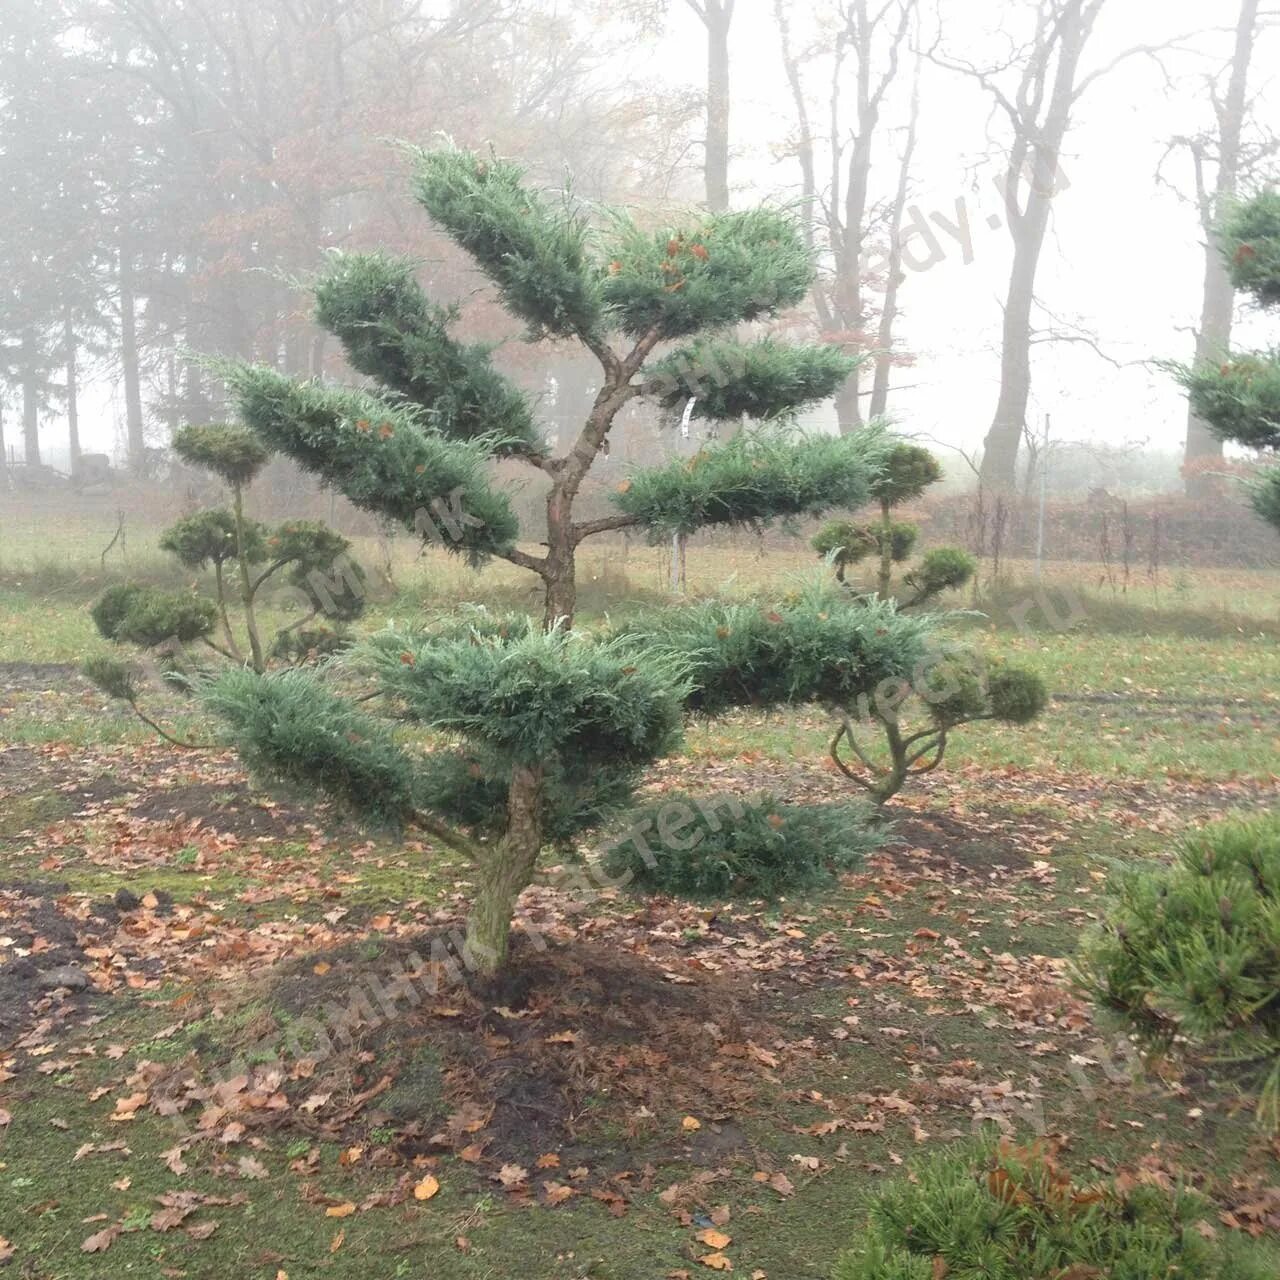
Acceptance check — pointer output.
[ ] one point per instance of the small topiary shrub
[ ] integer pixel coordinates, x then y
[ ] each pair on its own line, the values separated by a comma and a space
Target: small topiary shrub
907, 472
150, 617
307, 557
1012, 1213
1190, 954
724, 848
915, 719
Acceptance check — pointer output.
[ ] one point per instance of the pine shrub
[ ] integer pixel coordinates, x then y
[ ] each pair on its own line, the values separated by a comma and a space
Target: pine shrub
149, 617
767, 848
1012, 1213
752, 480
1189, 954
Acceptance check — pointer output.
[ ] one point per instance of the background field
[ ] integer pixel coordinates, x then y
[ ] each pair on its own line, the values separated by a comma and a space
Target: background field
665, 1067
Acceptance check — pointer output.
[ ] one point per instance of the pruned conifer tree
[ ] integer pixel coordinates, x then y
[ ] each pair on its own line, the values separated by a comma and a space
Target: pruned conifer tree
521, 732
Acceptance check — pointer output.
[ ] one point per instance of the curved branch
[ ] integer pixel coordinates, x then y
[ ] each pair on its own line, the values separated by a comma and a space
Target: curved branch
515, 556
844, 768
444, 833
939, 745
166, 735
587, 528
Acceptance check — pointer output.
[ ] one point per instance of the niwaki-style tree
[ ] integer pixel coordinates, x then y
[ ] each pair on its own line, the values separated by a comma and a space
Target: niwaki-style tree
914, 723
1239, 398
908, 470
532, 735
304, 556
623, 292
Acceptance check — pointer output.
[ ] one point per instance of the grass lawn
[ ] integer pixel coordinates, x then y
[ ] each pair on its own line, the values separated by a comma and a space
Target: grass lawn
244, 1091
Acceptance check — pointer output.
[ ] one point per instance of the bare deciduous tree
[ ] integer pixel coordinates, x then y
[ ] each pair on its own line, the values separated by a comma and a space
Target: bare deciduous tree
1221, 158
1035, 88
866, 56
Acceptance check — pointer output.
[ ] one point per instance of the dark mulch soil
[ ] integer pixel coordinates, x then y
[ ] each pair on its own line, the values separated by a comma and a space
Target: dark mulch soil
577, 1038
231, 808
31, 921
958, 845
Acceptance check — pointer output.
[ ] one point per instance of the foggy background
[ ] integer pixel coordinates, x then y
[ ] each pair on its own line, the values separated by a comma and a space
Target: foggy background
172, 169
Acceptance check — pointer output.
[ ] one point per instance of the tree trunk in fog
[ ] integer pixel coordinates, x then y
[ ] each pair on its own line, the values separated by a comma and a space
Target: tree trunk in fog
5, 482
804, 143
889, 309
873, 36
73, 394
137, 443
1000, 449
1034, 156
1218, 300
30, 400
717, 15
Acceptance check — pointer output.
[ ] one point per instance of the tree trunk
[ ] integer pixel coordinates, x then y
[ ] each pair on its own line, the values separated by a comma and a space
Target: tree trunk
30, 399
5, 481
137, 444
560, 575
718, 14
804, 144
1213, 335
1000, 449
884, 581
879, 405
504, 871
73, 395
848, 411
1034, 160
246, 584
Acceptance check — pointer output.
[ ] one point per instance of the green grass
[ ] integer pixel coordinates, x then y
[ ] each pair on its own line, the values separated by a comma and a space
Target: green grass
1191, 662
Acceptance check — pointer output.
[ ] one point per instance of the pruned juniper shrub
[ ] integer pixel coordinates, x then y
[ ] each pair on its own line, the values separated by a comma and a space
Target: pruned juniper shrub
527, 735
1014, 1213
908, 471
723, 847
303, 556
913, 722
1189, 954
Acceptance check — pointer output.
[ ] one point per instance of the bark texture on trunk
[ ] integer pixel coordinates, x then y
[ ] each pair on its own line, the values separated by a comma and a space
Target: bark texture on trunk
1217, 310
137, 444
73, 394
504, 870
717, 15
30, 398
1031, 180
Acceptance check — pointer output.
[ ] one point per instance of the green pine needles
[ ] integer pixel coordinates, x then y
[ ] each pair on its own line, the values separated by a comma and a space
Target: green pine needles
1014, 1213
760, 848
752, 480
498, 738
1190, 954
441, 410
1238, 394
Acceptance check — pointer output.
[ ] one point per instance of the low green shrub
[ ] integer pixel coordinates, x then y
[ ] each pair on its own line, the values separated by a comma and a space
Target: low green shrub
1011, 1213
760, 848
1190, 953
150, 617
